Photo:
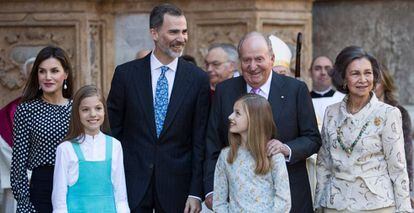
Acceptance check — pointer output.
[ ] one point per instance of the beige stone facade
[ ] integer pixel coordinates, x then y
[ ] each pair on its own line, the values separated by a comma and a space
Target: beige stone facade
86, 30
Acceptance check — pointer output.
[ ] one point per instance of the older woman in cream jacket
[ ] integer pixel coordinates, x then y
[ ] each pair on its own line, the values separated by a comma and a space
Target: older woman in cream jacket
361, 165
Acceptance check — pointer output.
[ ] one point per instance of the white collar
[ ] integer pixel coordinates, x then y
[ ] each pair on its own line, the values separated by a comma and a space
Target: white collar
323, 92
87, 138
156, 64
365, 113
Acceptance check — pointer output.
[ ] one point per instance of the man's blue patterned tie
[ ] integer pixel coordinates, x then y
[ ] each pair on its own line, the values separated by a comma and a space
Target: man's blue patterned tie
161, 100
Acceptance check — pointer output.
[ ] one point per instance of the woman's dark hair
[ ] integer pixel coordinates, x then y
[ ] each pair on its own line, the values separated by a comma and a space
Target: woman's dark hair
31, 90
342, 61
76, 128
390, 89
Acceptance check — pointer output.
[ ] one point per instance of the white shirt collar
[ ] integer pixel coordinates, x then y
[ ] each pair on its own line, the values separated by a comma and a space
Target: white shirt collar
323, 92
87, 138
156, 64
265, 88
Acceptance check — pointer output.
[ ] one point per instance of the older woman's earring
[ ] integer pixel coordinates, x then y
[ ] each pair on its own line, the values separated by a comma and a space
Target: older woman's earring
344, 86
64, 84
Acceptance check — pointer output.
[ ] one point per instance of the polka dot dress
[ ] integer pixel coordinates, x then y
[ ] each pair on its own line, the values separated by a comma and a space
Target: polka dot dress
37, 130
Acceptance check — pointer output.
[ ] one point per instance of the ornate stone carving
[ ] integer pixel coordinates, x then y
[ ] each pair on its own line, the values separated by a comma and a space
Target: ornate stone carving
22, 37
95, 51
30, 39
288, 33
210, 33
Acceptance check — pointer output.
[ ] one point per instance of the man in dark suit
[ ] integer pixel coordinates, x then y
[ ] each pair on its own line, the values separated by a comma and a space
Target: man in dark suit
158, 108
298, 135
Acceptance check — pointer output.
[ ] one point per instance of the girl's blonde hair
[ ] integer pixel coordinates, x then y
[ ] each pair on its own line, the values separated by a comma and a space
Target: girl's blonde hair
260, 129
76, 128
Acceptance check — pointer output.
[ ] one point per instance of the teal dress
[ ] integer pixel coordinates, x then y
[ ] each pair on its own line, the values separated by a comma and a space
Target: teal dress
93, 191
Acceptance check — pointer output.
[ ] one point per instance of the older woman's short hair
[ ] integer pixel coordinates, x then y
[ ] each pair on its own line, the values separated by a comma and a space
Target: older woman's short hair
342, 61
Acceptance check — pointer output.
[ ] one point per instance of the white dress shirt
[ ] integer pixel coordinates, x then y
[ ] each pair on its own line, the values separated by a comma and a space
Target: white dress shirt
156, 72
67, 170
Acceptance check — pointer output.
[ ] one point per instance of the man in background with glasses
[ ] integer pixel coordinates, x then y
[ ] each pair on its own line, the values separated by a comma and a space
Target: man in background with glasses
221, 63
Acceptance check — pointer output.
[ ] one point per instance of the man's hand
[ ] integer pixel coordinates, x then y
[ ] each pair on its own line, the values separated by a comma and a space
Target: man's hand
209, 201
192, 205
274, 147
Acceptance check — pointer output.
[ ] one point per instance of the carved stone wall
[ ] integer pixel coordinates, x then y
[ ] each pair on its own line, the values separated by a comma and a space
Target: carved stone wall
228, 21
21, 37
77, 27
98, 35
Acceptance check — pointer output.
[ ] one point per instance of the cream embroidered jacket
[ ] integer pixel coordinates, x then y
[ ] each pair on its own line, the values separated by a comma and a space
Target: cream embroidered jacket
374, 175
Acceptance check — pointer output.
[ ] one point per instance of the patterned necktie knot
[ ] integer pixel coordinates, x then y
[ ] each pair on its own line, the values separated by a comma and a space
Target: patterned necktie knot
164, 69
161, 100
255, 90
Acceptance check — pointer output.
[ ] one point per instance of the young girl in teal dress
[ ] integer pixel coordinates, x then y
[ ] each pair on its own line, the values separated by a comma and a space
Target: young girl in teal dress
246, 179
89, 171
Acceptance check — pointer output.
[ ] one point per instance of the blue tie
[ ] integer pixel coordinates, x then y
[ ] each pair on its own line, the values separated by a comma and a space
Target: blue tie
161, 100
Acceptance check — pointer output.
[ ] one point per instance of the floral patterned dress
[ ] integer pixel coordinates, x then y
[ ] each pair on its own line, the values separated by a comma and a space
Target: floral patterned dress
238, 189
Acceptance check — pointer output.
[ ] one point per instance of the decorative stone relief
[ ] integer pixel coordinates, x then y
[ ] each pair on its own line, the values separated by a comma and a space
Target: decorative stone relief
95, 51
210, 33
288, 33
19, 43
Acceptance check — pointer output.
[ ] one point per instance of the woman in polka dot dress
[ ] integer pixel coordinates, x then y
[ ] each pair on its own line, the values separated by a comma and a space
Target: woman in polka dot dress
41, 121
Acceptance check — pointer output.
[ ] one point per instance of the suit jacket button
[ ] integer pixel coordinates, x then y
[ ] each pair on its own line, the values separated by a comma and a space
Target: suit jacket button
151, 166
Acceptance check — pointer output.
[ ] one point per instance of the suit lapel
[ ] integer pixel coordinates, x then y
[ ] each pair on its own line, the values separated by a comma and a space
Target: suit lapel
182, 83
276, 95
143, 86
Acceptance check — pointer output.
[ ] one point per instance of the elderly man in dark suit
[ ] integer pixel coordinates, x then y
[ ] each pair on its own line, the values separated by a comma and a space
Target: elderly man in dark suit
298, 135
158, 108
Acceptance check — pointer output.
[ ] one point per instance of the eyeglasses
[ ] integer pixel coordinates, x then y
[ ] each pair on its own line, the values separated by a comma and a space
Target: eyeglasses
215, 64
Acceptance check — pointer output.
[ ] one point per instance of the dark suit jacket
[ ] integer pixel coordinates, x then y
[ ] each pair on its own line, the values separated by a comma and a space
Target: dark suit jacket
296, 125
176, 157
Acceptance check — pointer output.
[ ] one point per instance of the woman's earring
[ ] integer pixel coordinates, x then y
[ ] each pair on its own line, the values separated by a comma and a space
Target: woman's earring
64, 84
344, 86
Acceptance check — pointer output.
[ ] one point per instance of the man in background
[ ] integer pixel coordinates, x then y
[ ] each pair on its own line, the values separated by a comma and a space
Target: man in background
221, 63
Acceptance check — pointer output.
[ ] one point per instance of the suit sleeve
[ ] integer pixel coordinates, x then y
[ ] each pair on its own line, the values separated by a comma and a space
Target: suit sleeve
214, 143
199, 133
323, 167
393, 145
116, 103
408, 143
309, 139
